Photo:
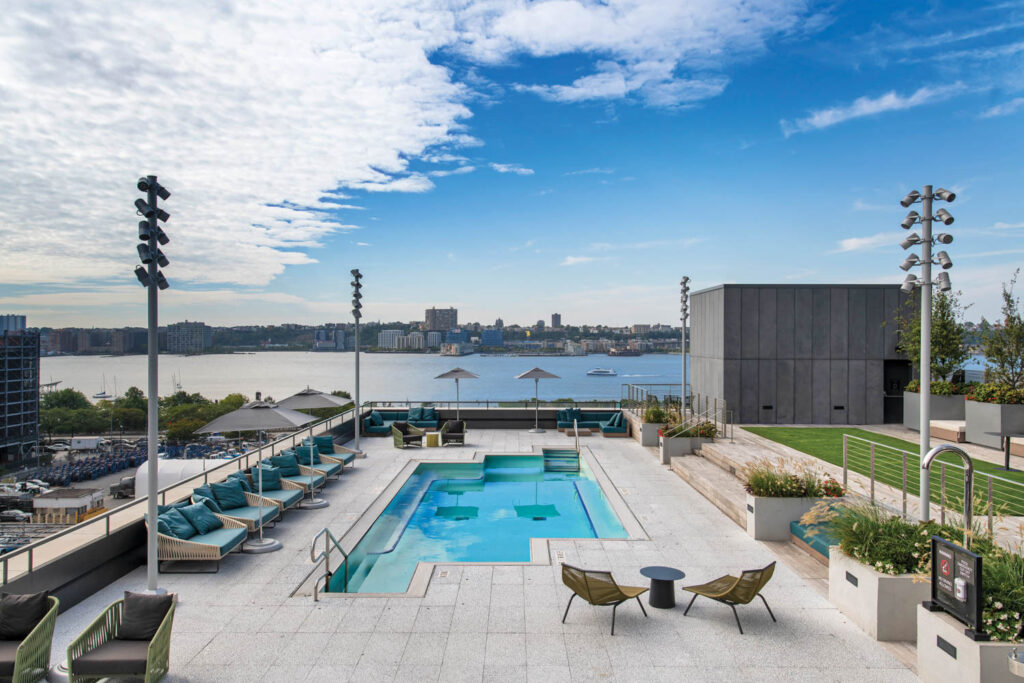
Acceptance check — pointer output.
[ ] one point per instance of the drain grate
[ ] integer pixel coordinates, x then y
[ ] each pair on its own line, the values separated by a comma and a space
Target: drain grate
443, 574
560, 555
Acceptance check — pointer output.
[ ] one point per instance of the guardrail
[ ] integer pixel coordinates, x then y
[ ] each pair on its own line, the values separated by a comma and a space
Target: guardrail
29, 558
634, 397
494, 404
900, 469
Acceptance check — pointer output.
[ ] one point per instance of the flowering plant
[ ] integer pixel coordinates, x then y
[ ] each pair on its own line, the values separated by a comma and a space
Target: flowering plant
940, 388
996, 393
775, 480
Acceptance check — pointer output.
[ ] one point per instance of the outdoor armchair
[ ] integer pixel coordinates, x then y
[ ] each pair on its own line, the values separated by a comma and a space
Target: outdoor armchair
406, 434
732, 591
453, 431
27, 660
599, 588
99, 653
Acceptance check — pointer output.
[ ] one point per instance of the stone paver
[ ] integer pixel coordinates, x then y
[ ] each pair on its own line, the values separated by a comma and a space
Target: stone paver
503, 623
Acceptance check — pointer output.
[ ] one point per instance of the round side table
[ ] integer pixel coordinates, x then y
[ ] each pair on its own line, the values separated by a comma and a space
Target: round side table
663, 588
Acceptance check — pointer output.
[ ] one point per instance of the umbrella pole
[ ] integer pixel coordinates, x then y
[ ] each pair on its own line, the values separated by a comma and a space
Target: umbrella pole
536, 407
261, 545
314, 502
456, 399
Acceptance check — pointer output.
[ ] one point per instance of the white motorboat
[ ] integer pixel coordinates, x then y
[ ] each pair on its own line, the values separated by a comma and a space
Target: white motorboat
601, 372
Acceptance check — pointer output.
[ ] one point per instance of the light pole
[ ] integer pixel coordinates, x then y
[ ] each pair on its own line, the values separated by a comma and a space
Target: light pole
926, 196
684, 314
151, 235
357, 285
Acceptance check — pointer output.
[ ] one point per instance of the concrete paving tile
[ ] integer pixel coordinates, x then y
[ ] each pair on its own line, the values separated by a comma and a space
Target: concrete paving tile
465, 649
547, 674
545, 649
434, 618
334, 674
398, 616
463, 673
374, 672
288, 618
425, 649
418, 673
505, 649
288, 672
385, 649
504, 674
508, 575
345, 649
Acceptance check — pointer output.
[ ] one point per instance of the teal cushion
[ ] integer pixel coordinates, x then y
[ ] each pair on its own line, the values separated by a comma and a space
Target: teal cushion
205, 491
201, 518
242, 479
208, 502
429, 413
376, 419
324, 444
302, 454
229, 494
287, 497
224, 538
288, 465
318, 480
271, 478
328, 469
254, 514
161, 509
164, 528
178, 523
415, 414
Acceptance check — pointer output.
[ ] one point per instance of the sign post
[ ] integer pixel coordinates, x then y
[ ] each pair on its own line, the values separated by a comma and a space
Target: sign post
956, 585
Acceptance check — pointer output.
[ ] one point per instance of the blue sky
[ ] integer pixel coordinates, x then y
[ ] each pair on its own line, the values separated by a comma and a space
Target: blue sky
509, 158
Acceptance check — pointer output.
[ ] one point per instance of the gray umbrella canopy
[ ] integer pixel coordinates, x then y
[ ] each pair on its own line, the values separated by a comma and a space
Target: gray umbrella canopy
457, 374
257, 415
309, 399
536, 375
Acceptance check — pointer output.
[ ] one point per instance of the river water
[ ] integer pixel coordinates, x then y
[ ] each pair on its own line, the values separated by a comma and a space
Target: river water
383, 376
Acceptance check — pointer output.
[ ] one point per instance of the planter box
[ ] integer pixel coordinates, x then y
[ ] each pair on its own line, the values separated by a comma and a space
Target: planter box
884, 606
768, 518
992, 417
945, 654
649, 433
941, 408
681, 445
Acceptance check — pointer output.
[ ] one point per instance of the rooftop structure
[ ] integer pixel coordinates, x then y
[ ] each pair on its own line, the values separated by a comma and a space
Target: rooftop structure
19, 394
440, 319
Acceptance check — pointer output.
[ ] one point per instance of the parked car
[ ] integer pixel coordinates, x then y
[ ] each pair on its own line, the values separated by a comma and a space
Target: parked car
15, 516
124, 488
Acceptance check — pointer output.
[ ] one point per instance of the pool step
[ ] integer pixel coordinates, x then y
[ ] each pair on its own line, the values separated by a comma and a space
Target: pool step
562, 461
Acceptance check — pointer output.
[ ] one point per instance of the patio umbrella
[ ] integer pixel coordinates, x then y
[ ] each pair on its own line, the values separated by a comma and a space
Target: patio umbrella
457, 374
258, 416
537, 375
311, 399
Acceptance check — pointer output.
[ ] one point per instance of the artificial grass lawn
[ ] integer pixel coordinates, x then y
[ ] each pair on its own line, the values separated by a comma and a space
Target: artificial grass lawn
826, 443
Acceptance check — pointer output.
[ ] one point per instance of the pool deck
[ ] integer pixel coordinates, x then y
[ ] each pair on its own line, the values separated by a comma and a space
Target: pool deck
502, 623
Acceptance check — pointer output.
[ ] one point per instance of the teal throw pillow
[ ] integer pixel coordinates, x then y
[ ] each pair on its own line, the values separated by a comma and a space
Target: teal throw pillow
288, 465
303, 454
208, 502
242, 479
205, 493
201, 518
229, 494
162, 527
376, 419
271, 478
161, 509
415, 414
178, 523
429, 414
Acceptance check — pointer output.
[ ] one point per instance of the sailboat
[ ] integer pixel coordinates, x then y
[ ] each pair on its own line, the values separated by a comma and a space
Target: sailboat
102, 393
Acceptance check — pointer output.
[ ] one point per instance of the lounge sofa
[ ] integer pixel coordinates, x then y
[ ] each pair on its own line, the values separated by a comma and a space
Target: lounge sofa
285, 494
610, 424
176, 541
378, 422
326, 446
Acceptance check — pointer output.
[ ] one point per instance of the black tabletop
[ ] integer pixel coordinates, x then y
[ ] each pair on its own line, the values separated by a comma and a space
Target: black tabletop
662, 573
1012, 435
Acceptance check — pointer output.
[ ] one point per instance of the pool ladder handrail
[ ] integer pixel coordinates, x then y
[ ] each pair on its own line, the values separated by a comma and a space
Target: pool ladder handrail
576, 433
325, 557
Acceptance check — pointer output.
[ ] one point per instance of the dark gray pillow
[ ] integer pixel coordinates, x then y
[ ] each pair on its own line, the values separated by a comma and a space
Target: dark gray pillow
19, 614
142, 615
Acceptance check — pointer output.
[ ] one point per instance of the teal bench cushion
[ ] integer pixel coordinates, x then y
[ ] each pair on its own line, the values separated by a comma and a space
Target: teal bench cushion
287, 497
817, 536
225, 539
318, 480
288, 464
263, 513
348, 458
325, 444
328, 469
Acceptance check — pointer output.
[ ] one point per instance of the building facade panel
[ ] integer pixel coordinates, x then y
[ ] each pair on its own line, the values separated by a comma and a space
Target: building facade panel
820, 335
803, 400
839, 375
803, 323
767, 323
857, 396
749, 321
838, 328
784, 391
766, 391
784, 323
749, 374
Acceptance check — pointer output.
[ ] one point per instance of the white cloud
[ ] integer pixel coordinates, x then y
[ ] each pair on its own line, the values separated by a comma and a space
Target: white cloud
868, 106
576, 260
861, 205
453, 171
588, 171
882, 239
1004, 109
363, 244
511, 168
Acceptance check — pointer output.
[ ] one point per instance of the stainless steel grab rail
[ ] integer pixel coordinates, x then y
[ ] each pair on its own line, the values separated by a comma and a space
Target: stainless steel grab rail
325, 557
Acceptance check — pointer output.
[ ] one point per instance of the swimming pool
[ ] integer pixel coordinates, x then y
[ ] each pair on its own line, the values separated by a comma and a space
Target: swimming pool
478, 512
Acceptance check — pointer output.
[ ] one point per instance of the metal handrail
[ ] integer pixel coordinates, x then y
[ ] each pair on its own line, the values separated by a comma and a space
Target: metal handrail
690, 422
31, 549
325, 557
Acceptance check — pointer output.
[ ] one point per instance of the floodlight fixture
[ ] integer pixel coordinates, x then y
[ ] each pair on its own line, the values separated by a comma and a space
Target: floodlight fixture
145, 255
912, 217
944, 194
162, 215
944, 238
910, 240
942, 280
144, 231
161, 236
910, 262
161, 281
943, 215
355, 273
161, 259
356, 314
908, 285
144, 208
911, 197
356, 303
145, 184
143, 276
944, 260
357, 294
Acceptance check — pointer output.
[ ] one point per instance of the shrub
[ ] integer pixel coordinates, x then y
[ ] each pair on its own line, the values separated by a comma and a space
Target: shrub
655, 413
996, 393
941, 388
704, 429
770, 480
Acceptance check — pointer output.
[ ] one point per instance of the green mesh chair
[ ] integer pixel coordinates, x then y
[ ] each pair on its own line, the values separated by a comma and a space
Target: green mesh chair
28, 660
733, 591
406, 435
97, 654
598, 588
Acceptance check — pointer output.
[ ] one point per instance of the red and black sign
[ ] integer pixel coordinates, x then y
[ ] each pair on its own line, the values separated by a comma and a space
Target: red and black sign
956, 585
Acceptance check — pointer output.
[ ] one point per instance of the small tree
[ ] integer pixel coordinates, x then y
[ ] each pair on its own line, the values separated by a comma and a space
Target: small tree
949, 344
1004, 344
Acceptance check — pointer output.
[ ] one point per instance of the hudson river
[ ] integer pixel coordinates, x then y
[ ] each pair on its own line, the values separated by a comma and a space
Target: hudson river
384, 377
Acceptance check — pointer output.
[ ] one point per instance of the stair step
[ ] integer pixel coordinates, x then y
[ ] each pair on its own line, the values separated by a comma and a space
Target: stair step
717, 485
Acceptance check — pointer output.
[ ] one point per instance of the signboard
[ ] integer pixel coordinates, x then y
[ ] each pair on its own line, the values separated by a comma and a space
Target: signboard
956, 585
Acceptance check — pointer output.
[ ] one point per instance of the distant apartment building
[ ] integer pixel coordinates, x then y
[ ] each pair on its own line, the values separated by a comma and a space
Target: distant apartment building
19, 391
441, 319
329, 339
12, 323
492, 338
388, 339
413, 341
128, 340
456, 337
189, 337
640, 329
499, 324
574, 348
434, 340
640, 345
556, 320
597, 345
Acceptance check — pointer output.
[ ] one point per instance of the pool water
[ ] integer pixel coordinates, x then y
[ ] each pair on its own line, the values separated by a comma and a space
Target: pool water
478, 512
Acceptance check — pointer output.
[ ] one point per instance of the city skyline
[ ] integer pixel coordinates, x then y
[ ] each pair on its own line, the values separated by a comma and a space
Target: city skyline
490, 160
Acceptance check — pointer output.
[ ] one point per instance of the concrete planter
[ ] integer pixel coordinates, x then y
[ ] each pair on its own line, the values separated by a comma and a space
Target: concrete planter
884, 606
941, 407
768, 518
681, 445
649, 433
945, 654
983, 418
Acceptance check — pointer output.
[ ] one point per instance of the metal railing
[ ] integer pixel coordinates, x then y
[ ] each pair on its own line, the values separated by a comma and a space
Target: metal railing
634, 397
899, 469
324, 557
29, 558
497, 403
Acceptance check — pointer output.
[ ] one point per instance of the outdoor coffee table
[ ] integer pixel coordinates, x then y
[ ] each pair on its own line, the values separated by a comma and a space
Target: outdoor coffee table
582, 431
663, 587
1004, 439
433, 439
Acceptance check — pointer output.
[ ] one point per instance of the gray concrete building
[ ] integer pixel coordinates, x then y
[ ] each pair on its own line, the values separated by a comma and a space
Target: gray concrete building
799, 354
